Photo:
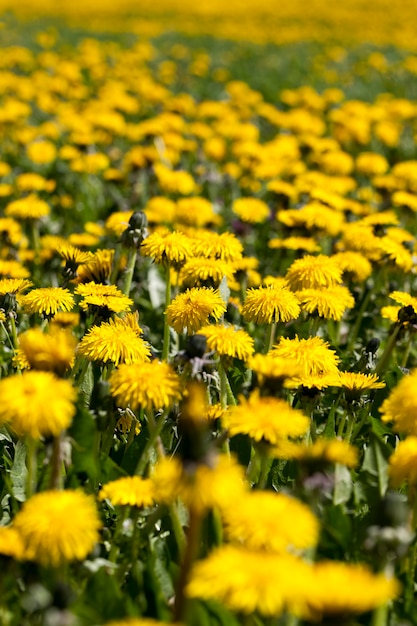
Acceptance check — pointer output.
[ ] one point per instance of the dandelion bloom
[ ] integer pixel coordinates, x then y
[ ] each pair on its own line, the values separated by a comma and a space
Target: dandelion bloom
210, 486
313, 272
115, 342
47, 301
224, 246
270, 304
129, 490
401, 405
14, 285
165, 247
37, 403
98, 269
329, 302
103, 297
29, 208
52, 352
228, 341
347, 588
403, 462
295, 243
313, 355
58, 526
200, 270
191, 310
152, 385
251, 210
11, 543
266, 520
265, 419
268, 367
322, 451
137, 621
359, 382
250, 581
354, 264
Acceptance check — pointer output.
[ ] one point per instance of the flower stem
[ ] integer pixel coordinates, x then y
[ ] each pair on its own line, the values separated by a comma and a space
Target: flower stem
165, 347
270, 336
190, 554
31, 464
386, 355
56, 464
128, 273
155, 428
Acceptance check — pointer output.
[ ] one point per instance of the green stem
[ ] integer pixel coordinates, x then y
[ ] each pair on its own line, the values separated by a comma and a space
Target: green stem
128, 273
351, 424
177, 527
114, 550
270, 336
31, 464
190, 554
358, 318
264, 472
155, 428
56, 480
226, 393
167, 331
386, 355
380, 616
342, 423
14, 332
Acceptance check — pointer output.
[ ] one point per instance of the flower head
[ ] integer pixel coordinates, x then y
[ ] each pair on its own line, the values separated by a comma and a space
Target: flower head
129, 490
47, 301
99, 296
199, 270
29, 208
270, 304
168, 248
313, 272
37, 403
251, 210
152, 385
265, 419
329, 302
321, 452
228, 341
115, 341
58, 526
313, 355
52, 352
401, 405
403, 463
191, 310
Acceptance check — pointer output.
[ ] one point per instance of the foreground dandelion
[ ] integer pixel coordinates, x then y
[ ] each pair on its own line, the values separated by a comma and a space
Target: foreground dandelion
167, 248
265, 520
329, 303
191, 310
313, 355
401, 405
107, 298
47, 301
228, 341
268, 305
265, 419
37, 403
115, 342
152, 385
53, 351
58, 526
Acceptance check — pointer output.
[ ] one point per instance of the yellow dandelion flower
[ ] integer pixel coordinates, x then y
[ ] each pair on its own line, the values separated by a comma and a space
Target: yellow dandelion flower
251, 210
160, 210
313, 355
356, 383
354, 263
228, 341
116, 342
250, 581
98, 269
403, 463
14, 285
403, 298
13, 269
313, 216
137, 621
196, 211
11, 543
313, 381
168, 248
397, 253
74, 256
266, 520
347, 588
224, 246
97, 295
201, 270
152, 385
117, 222
209, 486
328, 302
129, 490
322, 451
268, 367
191, 310
270, 304
66, 320
58, 526
52, 352
295, 243
37, 403
47, 301
29, 208
313, 272
10, 230
390, 313
265, 419
401, 405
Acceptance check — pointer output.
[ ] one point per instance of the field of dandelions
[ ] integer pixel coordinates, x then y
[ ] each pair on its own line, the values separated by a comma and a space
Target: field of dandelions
208, 312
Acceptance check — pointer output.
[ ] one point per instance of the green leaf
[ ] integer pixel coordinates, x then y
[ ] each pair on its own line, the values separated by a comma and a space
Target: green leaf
19, 472
343, 485
375, 462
